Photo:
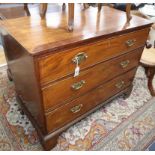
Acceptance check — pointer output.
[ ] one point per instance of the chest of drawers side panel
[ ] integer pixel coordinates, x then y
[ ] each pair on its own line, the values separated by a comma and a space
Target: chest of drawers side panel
22, 68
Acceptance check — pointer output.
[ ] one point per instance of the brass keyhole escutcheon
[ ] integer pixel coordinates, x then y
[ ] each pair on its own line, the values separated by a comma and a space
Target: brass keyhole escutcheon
80, 57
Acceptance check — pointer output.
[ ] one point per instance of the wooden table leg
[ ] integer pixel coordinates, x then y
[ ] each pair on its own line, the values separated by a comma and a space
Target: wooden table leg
128, 15
150, 72
26, 9
70, 16
99, 7
85, 6
63, 7
43, 10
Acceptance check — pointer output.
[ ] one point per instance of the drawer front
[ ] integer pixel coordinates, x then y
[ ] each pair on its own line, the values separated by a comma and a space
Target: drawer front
60, 64
62, 91
81, 105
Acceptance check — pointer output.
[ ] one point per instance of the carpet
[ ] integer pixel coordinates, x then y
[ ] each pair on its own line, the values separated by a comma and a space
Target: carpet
119, 125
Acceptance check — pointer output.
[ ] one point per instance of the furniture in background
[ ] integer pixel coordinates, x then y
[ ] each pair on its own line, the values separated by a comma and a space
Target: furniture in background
13, 10
26, 9
62, 77
43, 10
127, 9
148, 55
148, 62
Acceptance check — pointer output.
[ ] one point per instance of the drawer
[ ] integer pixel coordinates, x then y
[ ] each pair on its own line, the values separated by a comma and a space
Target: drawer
61, 64
67, 113
67, 89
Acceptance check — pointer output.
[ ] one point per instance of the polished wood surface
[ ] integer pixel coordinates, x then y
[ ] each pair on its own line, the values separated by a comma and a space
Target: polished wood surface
99, 5
65, 114
71, 12
52, 137
26, 8
13, 11
43, 9
42, 57
96, 52
93, 77
51, 34
128, 10
70, 16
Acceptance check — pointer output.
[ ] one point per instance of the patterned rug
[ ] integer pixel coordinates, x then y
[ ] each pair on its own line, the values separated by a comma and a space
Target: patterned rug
119, 125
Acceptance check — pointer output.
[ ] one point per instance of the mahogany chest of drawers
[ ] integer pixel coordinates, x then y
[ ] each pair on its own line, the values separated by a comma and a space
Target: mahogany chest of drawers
42, 57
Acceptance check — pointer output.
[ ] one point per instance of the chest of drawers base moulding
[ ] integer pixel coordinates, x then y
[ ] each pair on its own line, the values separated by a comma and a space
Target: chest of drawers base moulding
44, 84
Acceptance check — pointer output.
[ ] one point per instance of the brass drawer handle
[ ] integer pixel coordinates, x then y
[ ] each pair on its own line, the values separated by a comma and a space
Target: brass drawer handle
80, 57
120, 84
130, 42
78, 85
125, 63
76, 108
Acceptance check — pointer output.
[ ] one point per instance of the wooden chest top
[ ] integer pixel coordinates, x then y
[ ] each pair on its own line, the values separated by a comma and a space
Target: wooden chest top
51, 34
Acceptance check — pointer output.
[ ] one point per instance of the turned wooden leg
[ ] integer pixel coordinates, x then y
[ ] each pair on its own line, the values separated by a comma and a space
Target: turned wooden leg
49, 143
70, 16
147, 44
99, 7
128, 15
63, 7
26, 9
150, 72
85, 5
43, 10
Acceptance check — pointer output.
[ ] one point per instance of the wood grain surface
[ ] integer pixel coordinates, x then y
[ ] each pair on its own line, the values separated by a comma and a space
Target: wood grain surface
58, 65
36, 34
63, 115
92, 77
39, 55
